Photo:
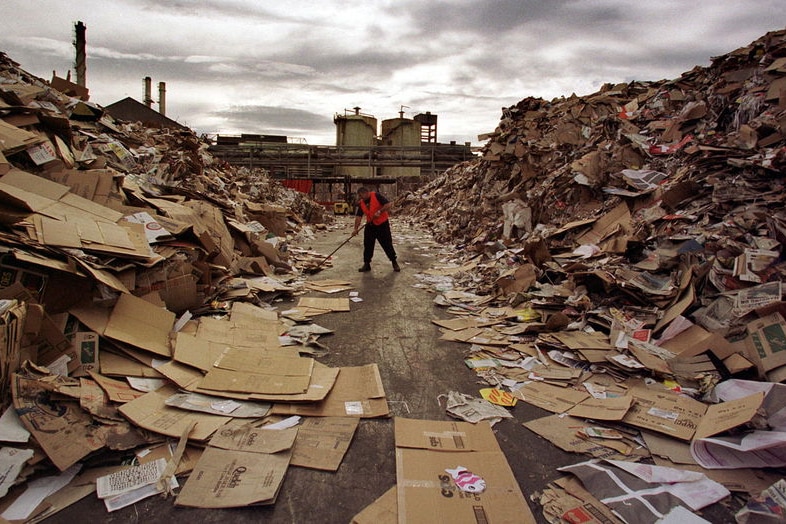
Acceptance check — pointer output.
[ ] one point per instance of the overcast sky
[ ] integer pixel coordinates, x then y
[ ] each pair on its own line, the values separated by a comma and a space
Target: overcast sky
287, 67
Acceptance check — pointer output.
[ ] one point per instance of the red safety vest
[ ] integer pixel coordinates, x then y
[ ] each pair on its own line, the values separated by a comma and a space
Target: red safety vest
372, 208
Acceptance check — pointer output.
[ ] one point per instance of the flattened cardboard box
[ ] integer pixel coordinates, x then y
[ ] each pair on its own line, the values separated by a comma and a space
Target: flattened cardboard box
141, 324
242, 466
357, 392
322, 442
685, 418
384, 510
428, 494
64, 431
150, 412
229, 478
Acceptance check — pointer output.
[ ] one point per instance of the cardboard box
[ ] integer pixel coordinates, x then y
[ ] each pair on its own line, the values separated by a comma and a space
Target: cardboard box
766, 343
86, 347
684, 418
426, 449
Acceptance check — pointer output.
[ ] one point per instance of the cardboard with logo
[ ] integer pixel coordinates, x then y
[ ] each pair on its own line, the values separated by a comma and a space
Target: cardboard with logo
242, 466
766, 346
428, 492
685, 418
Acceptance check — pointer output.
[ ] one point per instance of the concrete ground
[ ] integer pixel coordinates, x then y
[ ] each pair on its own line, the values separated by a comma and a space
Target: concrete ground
391, 327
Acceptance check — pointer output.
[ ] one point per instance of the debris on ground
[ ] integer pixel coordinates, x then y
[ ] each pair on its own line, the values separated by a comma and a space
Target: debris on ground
619, 261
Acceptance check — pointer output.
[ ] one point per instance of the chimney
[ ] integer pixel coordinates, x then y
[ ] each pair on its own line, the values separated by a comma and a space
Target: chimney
162, 98
148, 91
81, 55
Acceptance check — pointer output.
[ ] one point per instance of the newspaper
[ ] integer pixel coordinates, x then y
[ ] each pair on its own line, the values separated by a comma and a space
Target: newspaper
755, 297
130, 485
770, 506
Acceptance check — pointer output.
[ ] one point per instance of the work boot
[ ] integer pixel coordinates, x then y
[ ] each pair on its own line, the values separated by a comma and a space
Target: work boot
366, 267
396, 267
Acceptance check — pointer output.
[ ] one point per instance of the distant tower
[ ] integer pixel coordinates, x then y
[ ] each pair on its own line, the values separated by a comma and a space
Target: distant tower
148, 91
405, 134
162, 98
358, 132
81, 55
428, 127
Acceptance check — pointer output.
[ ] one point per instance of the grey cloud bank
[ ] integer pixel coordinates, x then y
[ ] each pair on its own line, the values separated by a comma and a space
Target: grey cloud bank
237, 66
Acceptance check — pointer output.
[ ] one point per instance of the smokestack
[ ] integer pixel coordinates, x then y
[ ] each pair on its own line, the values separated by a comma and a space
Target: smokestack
162, 98
148, 91
81, 54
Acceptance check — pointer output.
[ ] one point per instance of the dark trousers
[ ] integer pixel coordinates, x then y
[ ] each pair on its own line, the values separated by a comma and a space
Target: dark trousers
381, 234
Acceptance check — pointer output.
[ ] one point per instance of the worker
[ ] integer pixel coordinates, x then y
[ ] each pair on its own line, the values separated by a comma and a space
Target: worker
374, 207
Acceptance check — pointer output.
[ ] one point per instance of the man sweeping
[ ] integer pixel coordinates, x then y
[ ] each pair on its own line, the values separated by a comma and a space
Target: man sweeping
374, 207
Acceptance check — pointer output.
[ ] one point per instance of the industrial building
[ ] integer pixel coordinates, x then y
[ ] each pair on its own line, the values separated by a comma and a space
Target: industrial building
400, 154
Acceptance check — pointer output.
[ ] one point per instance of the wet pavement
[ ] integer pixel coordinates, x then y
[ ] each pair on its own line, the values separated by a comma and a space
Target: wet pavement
391, 327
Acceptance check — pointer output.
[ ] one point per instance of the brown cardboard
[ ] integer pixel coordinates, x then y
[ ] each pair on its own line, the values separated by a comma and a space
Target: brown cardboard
229, 478
696, 340
684, 418
12, 321
384, 510
115, 365
562, 431
196, 351
766, 342
151, 412
612, 408
245, 382
13, 139
257, 440
660, 445
42, 337
579, 340
240, 334
184, 376
265, 362
566, 500
322, 442
727, 415
327, 304
95, 401
664, 412
86, 346
247, 371
611, 231
117, 390
551, 398
5, 166
92, 184
64, 431
425, 449
321, 384
358, 392
140, 324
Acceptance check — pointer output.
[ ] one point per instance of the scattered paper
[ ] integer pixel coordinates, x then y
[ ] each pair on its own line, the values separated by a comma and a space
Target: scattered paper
37, 490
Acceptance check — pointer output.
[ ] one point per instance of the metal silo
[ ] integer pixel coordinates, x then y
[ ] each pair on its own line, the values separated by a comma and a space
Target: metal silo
356, 137
401, 145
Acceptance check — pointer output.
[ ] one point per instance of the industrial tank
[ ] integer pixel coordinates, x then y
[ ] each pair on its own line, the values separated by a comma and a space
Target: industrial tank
401, 145
356, 136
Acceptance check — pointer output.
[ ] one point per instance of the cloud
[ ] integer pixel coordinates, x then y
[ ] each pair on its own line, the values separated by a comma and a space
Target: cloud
246, 61
252, 118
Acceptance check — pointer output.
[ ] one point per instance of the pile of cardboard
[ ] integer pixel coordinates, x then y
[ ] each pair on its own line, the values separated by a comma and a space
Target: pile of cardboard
137, 275
621, 261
